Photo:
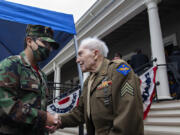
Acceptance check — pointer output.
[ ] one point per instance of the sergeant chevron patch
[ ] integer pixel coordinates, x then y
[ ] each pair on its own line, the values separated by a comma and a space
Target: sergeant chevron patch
127, 88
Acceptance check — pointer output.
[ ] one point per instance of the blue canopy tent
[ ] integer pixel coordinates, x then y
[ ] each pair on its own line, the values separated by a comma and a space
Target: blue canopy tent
14, 19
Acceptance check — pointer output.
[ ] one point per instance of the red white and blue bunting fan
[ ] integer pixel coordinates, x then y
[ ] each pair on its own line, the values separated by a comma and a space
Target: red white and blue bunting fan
148, 88
65, 104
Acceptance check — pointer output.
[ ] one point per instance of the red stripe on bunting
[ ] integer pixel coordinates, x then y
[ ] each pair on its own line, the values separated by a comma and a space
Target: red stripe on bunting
64, 101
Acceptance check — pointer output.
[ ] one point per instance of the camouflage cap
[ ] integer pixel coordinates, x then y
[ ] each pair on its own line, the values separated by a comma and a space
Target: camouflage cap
42, 32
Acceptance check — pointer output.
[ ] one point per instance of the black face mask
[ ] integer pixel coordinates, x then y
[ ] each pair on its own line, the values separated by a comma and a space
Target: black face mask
41, 53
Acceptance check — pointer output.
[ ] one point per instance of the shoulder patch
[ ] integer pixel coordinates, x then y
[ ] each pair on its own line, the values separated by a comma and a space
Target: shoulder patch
123, 69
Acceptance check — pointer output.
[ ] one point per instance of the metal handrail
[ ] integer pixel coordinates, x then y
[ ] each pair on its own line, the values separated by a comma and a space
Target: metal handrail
172, 68
67, 89
61, 86
146, 65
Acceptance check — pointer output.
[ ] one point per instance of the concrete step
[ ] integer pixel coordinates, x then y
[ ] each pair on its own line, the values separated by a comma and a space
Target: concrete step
160, 133
165, 108
163, 118
164, 112
169, 124
163, 115
161, 130
67, 131
166, 104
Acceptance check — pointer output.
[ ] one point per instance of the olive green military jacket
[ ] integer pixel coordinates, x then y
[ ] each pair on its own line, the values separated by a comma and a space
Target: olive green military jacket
23, 95
115, 102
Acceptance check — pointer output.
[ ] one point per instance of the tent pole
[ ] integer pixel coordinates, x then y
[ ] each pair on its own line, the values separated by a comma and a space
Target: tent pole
81, 127
79, 69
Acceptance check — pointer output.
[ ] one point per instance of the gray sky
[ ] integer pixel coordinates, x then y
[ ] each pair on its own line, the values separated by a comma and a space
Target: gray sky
75, 7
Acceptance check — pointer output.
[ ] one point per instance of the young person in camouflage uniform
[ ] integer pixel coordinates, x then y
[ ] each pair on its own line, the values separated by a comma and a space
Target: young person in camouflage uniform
111, 102
23, 88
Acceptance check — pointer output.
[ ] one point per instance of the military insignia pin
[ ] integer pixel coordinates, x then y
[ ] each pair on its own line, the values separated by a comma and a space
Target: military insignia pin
104, 84
123, 69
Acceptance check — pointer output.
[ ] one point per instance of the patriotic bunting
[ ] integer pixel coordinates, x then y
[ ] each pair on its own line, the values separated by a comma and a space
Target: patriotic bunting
65, 104
148, 88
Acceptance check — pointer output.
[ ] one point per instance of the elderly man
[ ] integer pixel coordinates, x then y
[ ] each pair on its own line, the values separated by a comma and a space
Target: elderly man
23, 88
111, 101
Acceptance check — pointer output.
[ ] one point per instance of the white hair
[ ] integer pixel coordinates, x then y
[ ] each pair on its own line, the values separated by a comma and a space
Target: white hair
95, 43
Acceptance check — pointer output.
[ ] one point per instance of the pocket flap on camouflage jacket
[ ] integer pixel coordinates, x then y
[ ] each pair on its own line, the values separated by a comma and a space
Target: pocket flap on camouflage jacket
30, 86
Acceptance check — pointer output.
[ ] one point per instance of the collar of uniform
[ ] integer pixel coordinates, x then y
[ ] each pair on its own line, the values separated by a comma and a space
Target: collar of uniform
26, 62
24, 59
98, 67
103, 68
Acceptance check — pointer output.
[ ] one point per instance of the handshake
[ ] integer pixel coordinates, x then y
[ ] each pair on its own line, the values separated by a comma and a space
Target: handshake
53, 122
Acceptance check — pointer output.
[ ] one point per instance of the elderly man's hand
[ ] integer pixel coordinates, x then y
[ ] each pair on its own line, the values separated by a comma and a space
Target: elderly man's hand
51, 119
52, 128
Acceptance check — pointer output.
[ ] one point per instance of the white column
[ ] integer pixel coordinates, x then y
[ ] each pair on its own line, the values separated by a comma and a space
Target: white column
54, 68
157, 48
57, 79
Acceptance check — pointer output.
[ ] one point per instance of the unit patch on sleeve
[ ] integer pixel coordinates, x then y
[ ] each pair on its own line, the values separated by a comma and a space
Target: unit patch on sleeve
127, 88
123, 69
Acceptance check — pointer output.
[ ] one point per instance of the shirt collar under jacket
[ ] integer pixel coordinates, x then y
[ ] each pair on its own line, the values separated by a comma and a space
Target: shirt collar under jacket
25, 62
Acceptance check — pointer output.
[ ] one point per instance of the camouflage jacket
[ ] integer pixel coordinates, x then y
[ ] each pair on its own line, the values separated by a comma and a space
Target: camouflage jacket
23, 94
